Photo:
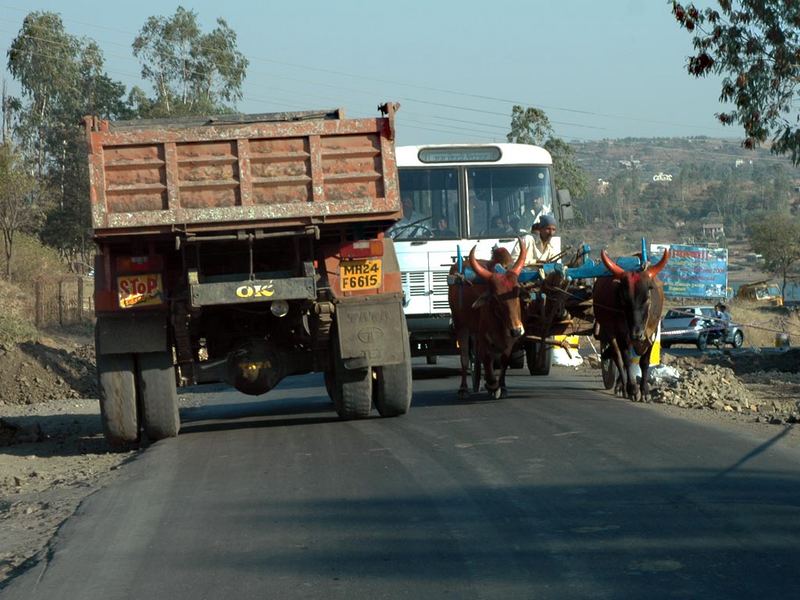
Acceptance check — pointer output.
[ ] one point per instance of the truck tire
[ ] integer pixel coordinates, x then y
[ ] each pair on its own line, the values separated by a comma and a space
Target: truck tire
159, 395
117, 382
353, 393
393, 387
352, 388
329, 378
539, 357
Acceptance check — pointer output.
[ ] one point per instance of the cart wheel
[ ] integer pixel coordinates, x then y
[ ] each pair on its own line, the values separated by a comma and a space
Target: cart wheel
539, 357
475, 368
609, 371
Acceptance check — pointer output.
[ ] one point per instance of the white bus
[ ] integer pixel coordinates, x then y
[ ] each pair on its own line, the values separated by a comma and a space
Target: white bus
463, 195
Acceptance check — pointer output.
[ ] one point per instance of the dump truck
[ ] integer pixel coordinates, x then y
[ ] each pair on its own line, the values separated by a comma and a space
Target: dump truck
244, 249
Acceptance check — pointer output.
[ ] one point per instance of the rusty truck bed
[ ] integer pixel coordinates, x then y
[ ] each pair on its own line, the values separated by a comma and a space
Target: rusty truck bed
244, 171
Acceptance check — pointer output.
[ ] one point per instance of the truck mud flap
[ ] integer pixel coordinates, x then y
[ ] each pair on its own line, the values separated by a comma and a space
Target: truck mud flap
132, 332
369, 331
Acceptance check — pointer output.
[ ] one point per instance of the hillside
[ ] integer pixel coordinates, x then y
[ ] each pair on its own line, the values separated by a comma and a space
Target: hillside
678, 190
602, 159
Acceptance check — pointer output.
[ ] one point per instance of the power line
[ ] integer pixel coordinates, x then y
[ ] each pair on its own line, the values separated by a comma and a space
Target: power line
421, 87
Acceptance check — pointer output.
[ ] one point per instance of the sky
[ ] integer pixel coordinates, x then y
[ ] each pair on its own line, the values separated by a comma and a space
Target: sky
599, 69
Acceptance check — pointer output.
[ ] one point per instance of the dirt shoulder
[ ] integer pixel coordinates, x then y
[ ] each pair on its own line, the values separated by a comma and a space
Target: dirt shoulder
52, 452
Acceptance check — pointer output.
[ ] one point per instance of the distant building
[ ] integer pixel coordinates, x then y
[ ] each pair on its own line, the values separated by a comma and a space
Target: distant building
602, 186
713, 230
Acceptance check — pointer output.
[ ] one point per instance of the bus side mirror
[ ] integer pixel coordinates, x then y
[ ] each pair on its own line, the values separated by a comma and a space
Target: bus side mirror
564, 199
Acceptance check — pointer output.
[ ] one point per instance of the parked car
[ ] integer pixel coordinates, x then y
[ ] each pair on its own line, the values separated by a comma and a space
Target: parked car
697, 325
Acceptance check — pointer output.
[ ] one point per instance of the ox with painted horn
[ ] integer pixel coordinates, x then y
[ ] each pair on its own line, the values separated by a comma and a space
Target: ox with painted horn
627, 310
487, 317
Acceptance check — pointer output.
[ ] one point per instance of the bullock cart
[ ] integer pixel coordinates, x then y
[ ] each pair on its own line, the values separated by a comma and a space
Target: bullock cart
556, 302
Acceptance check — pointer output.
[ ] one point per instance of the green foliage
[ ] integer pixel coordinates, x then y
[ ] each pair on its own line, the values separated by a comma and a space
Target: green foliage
776, 236
62, 79
755, 44
191, 72
21, 207
567, 173
42, 58
32, 260
531, 126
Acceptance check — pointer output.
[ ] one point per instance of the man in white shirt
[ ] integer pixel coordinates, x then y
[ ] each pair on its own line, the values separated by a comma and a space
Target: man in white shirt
531, 214
537, 243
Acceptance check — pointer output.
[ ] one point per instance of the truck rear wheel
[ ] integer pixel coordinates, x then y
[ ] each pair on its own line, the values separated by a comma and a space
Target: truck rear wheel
159, 395
393, 385
351, 388
353, 393
115, 374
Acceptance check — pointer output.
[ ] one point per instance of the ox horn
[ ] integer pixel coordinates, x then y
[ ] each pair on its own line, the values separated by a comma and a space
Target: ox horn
615, 269
523, 251
656, 268
479, 269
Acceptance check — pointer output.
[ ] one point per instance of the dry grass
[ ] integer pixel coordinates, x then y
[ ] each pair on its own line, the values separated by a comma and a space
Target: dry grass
31, 260
763, 323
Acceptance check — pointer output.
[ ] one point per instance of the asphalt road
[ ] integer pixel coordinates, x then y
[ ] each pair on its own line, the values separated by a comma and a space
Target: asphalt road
559, 491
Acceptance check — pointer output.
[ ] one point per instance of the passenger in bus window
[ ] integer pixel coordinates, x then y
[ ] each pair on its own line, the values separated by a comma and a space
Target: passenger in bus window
537, 242
498, 228
443, 230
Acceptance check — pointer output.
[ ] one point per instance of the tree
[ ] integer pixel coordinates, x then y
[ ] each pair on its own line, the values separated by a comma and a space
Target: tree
19, 209
62, 79
755, 44
531, 126
191, 72
776, 237
43, 59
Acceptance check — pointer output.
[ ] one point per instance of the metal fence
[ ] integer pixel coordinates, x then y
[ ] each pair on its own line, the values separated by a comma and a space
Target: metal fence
64, 301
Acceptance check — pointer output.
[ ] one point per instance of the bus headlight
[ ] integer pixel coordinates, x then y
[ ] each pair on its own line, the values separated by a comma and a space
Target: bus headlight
279, 308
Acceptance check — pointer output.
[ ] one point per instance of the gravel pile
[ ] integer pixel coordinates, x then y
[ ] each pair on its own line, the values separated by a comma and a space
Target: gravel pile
32, 372
718, 388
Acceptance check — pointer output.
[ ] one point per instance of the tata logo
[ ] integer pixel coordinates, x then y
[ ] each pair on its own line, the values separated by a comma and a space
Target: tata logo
255, 291
370, 335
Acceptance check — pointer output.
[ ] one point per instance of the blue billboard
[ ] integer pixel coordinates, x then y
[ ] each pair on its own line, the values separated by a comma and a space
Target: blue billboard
693, 271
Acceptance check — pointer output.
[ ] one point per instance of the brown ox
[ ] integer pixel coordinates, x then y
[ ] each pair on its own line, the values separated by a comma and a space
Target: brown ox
627, 310
488, 314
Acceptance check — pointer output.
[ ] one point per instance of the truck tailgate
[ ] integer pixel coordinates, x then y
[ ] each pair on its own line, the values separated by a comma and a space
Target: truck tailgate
156, 177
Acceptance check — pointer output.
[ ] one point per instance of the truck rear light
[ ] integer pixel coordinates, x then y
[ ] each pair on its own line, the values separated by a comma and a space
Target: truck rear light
139, 264
362, 249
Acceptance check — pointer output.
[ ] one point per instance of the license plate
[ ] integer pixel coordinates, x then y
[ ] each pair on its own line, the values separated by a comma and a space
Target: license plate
139, 290
360, 274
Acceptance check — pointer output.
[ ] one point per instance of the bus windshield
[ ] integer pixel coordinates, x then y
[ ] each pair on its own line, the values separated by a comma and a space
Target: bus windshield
507, 200
503, 201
